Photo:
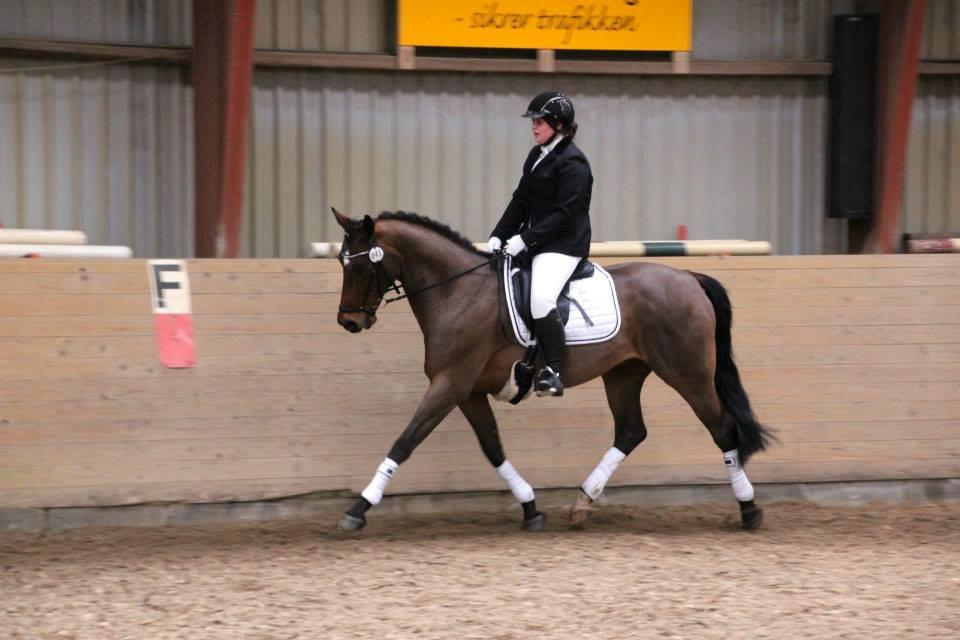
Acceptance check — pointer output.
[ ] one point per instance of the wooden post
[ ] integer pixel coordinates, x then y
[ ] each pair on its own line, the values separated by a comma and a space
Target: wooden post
222, 70
209, 41
901, 31
406, 58
546, 60
681, 61
237, 91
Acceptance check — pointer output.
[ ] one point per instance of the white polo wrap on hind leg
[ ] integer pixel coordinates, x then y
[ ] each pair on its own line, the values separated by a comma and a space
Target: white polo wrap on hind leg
521, 489
385, 472
598, 478
742, 488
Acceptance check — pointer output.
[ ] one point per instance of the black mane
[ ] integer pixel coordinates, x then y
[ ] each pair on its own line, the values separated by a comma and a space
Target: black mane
433, 225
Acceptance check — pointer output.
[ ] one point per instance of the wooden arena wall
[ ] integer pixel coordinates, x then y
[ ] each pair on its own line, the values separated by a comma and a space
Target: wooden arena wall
855, 360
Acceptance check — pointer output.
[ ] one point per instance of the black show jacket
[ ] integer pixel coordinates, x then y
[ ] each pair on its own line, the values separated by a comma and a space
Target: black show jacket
550, 208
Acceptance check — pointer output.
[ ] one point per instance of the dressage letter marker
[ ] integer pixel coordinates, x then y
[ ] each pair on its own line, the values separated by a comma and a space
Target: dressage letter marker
170, 299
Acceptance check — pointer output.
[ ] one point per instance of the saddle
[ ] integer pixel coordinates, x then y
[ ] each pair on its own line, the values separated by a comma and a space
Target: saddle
590, 289
521, 277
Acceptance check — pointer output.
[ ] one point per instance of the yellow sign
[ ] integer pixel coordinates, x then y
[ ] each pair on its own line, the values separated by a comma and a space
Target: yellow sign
618, 25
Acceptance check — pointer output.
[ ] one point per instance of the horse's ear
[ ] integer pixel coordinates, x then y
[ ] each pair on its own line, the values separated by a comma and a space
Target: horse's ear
342, 220
368, 225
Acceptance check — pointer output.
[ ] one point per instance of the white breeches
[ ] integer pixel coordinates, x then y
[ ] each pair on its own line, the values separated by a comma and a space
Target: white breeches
550, 272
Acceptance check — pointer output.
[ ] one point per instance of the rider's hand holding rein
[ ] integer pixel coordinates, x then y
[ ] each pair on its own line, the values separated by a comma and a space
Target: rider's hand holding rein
515, 245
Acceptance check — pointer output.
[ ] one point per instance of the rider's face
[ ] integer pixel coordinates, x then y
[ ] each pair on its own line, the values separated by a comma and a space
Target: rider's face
542, 132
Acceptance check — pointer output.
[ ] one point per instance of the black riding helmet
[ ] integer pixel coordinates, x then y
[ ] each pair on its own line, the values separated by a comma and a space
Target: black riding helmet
554, 107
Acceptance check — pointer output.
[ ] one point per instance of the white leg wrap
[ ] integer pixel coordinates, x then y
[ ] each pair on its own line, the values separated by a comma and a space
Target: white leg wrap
742, 488
598, 478
385, 472
521, 489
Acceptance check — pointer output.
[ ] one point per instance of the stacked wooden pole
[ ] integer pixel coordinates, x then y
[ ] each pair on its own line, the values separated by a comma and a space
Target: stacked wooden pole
45, 243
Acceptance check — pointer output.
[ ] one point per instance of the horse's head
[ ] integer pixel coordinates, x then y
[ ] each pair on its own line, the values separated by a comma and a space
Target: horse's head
365, 278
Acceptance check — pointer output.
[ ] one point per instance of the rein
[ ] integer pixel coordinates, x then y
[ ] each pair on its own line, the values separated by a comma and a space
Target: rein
375, 255
410, 294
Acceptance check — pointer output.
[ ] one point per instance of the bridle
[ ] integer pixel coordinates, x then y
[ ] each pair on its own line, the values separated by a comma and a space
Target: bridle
378, 274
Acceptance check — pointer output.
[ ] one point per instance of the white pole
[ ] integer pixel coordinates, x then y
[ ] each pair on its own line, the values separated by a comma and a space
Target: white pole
41, 236
64, 251
324, 249
621, 248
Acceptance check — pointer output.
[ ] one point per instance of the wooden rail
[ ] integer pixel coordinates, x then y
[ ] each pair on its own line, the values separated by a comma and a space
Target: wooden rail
402, 61
407, 60
855, 360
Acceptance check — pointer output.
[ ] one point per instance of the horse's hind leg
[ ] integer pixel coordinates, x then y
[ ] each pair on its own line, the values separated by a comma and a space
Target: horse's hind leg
477, 410
622, 384
699, 392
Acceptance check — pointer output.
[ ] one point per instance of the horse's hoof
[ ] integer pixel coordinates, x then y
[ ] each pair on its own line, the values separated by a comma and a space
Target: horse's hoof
752, 519
535, 523
351, 523
581, 510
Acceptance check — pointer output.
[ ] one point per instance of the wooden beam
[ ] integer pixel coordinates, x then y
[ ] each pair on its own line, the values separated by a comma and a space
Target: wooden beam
222, 69
237, 92
901, 33
324, 60
209, 43
760, 68
546, 60
935, 68
91, 51
361, 61
381, 61
680, 61
406, 58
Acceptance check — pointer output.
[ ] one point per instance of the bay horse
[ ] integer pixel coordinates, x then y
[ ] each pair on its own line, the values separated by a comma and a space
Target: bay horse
673, 323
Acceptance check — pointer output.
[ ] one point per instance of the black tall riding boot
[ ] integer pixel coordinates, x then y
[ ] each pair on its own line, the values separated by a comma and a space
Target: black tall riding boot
551, 338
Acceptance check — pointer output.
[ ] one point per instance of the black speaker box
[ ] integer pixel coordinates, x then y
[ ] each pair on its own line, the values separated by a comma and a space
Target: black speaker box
853, 115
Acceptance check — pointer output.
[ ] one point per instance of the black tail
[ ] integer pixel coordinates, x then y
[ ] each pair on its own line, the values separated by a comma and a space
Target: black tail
751, 435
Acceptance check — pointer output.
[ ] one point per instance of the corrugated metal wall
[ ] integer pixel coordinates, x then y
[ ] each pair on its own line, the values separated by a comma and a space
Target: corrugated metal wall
107, 148
932, 187
308, 25
932, 184
164, 23
727, 157
942, 31
764, 29
358, 26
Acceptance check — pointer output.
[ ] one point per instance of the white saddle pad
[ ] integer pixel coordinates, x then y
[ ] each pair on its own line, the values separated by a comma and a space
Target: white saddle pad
596, 294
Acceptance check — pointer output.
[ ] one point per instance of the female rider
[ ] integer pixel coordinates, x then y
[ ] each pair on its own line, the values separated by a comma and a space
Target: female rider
549, 218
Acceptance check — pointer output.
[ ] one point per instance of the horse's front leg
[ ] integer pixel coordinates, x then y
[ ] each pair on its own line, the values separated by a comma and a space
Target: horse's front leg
436, 404
477, 410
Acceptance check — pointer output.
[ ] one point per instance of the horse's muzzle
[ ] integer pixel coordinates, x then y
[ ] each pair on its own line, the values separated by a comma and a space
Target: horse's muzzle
351, 324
